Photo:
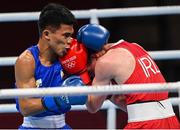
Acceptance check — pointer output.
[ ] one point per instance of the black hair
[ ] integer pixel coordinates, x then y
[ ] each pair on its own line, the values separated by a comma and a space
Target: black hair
53, 15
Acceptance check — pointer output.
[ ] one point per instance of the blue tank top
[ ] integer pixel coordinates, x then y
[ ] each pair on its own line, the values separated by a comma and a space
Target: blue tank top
45, 76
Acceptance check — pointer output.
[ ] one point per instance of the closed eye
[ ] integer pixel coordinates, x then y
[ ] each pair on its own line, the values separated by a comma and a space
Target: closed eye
67, 35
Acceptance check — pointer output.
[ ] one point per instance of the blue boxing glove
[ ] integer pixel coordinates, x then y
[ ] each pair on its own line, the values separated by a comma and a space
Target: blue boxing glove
58, 105
75, 81
93, 36
62, 104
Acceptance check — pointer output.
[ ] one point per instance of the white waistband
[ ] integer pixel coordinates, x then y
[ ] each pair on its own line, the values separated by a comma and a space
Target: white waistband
149, 111
54, 121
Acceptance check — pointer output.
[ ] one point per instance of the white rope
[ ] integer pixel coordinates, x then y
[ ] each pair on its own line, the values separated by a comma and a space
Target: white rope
11, 108
71, 90
101, 13
175, 101
20, 16
165, 55
7, 61
157, 55
8, 108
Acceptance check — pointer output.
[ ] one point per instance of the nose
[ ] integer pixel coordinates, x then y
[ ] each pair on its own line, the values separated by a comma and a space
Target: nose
69, 40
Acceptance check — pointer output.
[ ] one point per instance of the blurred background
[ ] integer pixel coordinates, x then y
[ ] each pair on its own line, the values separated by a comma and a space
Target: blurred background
152, 32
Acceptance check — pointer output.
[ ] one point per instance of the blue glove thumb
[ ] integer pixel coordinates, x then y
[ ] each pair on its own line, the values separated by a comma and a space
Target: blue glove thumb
75, 81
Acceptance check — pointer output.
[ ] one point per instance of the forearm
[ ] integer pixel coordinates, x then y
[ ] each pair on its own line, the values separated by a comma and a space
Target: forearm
121, 105
30, 106
94, 103
119, 101
58, 105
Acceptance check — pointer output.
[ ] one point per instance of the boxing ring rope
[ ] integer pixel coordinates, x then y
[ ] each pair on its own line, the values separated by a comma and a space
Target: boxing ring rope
11, 108
106, 89
156, 55
94, 15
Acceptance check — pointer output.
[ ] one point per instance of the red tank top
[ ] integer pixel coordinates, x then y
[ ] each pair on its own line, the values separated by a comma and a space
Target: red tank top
146, 71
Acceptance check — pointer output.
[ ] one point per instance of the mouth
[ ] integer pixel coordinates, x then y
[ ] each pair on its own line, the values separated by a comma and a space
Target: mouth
63, 53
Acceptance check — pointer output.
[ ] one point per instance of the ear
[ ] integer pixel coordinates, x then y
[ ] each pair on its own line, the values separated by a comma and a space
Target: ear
45, 34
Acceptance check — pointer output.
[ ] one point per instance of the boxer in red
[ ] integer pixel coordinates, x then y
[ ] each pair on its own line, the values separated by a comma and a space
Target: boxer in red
127, 63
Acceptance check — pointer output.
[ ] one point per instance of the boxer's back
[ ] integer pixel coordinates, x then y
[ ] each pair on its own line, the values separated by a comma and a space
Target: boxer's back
145, 71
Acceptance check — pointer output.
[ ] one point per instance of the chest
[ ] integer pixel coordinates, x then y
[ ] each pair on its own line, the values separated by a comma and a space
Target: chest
48, 76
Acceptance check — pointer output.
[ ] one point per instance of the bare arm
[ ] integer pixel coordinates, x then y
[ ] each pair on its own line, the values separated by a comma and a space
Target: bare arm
117, 64
119, 100
102, 77
24, 75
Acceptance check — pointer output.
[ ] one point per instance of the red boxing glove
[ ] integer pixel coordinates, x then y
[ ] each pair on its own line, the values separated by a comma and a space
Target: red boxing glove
75, 61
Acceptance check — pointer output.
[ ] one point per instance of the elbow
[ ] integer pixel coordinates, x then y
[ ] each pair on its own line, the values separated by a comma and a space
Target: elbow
91, 108
24, 112
94, 103
30, 107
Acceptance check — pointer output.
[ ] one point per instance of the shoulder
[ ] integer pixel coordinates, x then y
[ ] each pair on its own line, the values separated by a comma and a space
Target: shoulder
114, 60
117, 55
25, 58
105, 65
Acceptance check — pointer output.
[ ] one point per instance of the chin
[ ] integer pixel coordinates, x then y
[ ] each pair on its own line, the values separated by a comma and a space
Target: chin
62, 54
93, 64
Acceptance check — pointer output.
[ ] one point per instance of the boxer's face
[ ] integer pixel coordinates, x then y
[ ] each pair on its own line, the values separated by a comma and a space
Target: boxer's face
91, 65
60, 39
93, 59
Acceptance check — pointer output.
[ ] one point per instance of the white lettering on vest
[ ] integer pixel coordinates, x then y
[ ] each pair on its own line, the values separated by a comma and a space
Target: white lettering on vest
148, 65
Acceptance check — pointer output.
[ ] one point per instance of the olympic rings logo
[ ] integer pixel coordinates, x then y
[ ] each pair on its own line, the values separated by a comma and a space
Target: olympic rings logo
70, 65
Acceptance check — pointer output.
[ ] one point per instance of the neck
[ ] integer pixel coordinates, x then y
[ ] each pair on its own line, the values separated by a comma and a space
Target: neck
46, 54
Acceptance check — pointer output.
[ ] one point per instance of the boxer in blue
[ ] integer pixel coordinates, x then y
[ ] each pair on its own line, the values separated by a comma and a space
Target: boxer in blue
38, 66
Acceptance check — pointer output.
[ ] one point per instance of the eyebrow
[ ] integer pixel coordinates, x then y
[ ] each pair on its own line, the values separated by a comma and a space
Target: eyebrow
67, 34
